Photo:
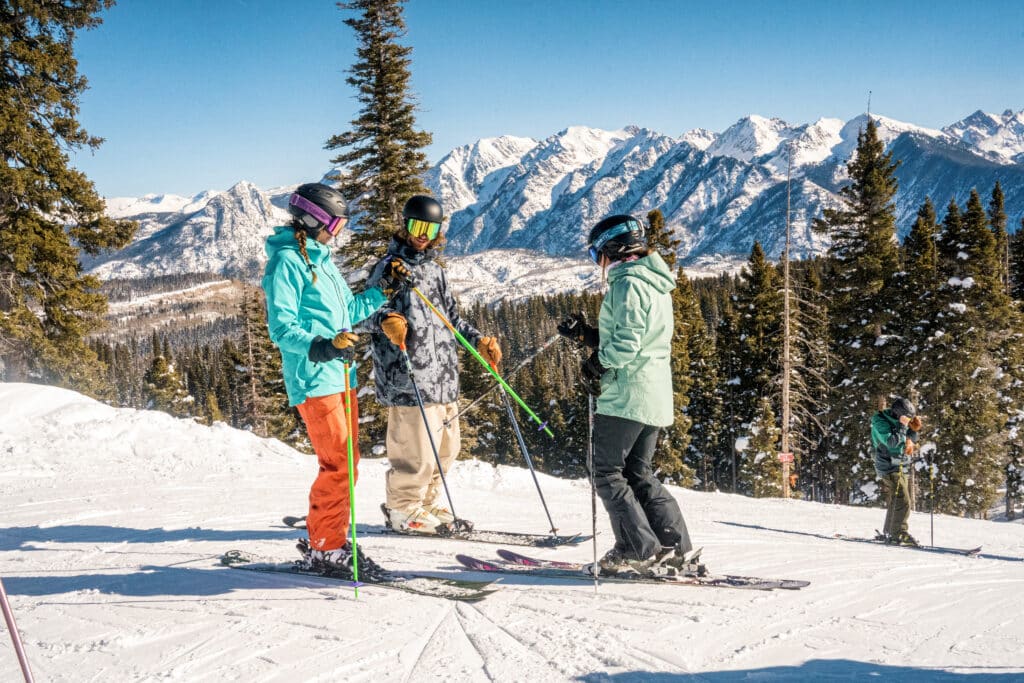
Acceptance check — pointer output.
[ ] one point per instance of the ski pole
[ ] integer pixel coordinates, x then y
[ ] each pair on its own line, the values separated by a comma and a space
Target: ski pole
526, 455
931, 498
476, 354
456, 522
351, 480
508, 375
593, 486
15, 636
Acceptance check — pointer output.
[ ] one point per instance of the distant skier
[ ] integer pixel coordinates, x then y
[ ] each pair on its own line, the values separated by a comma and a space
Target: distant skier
893, 435
310, 310
630, 368
413, 483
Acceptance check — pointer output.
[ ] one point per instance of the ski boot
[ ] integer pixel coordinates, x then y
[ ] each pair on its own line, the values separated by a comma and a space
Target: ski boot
906, 539
338, 562
416, 520
672, 561
614, 563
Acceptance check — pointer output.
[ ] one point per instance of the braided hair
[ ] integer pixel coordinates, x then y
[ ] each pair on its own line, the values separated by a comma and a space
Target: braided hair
300, 237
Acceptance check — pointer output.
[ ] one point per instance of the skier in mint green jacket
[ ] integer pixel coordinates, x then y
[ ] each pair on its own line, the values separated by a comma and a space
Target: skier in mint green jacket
631, 365
310, 314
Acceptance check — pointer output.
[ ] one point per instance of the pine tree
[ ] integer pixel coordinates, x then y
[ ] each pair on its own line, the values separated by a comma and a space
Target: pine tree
863, 259
670, 458
1017, 263
165, 389
383, 160
660, 239
702, 404
49, 212
997, 219
759, 307
760, 472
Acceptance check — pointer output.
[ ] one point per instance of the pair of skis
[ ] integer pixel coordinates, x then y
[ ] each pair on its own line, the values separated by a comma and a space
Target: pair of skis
968, 552
474, 535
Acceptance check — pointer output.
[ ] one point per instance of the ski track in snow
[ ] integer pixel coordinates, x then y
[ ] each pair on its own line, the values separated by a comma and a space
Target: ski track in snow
109, 551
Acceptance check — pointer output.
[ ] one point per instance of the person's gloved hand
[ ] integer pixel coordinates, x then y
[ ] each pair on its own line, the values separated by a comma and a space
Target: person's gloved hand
342, 346
575, 328
395, 327
592, 368
915, 424
396, 276
489, 349
909, 448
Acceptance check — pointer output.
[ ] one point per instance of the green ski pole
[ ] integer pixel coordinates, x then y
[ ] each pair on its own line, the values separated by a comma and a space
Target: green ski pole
351, 480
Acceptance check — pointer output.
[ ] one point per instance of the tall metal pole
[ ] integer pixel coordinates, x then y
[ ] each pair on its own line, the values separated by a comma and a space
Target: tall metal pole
787, 362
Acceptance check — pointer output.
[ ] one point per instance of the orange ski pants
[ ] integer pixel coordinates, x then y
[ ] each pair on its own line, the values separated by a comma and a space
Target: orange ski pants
326, 423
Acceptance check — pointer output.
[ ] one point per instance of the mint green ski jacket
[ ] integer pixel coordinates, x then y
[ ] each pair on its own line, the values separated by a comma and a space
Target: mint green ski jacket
636, 342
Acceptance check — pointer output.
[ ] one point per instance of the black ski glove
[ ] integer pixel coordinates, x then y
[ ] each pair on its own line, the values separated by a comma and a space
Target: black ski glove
592, 372
575, 327
343, 346
396, 277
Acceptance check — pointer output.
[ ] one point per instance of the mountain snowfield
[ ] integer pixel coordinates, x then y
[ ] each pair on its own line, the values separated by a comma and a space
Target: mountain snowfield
719, 192
114, 520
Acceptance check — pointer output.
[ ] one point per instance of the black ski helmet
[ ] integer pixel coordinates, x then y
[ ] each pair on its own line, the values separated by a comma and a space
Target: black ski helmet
616, 237
901, 406
423, 208
316, 206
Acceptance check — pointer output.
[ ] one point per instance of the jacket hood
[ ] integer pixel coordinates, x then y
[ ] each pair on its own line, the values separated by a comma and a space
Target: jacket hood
283, 239
652, 269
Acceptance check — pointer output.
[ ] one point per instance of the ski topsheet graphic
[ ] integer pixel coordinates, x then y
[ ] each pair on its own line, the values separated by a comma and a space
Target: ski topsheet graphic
432, 586
522, 565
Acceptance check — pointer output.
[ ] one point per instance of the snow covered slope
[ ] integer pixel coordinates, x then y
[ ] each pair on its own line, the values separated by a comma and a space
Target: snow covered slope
114, 519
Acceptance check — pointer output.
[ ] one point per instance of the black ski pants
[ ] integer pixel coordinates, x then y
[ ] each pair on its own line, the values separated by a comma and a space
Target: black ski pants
644, 515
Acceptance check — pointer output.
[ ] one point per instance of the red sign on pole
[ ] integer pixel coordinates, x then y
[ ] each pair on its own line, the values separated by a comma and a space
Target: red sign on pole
785, 457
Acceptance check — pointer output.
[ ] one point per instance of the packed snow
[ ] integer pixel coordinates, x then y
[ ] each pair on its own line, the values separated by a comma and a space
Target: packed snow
115, 519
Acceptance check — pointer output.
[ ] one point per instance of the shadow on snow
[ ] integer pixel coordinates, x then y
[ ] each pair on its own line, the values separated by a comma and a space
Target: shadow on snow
16, 538
818, 670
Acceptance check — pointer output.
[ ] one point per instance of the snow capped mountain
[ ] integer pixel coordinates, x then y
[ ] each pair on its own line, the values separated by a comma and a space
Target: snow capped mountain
1001, 136
719, 192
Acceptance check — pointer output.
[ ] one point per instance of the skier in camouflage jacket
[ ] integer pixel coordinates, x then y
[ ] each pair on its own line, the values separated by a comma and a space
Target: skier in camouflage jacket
413, 482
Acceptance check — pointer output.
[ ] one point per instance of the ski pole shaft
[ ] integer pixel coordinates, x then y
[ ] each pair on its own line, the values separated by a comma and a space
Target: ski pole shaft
430, 436
15, 636
593, 486
526, 456
351, 480
476, 354
508, 375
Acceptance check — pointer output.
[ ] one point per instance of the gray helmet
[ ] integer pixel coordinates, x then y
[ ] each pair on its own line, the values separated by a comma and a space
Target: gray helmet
316, 206
901, 406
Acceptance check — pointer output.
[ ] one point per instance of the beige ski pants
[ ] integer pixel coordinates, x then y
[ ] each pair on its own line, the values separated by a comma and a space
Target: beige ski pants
413, 479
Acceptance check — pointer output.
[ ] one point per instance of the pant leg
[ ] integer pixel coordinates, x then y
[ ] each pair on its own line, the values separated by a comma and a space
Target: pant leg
901, 504
409, 452
329, 507
889, 483
614, 438
449, 443
662, 510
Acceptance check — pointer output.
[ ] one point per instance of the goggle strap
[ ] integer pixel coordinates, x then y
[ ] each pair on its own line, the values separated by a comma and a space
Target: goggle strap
329, 221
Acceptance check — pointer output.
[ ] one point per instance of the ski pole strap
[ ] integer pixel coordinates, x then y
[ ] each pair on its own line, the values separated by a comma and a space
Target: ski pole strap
476, 354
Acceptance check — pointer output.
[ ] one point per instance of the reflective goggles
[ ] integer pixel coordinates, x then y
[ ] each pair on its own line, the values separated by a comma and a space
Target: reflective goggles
621, 229
418, 228
332, 224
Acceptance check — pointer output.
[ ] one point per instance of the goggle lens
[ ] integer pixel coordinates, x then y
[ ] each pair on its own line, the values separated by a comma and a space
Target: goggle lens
593, 254
335, 226
418, 228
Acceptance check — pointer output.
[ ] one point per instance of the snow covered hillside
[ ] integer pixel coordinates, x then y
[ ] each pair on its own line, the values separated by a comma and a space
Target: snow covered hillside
114, 520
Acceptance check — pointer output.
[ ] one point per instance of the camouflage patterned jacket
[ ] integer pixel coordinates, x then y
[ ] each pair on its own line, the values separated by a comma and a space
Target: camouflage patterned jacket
431, 345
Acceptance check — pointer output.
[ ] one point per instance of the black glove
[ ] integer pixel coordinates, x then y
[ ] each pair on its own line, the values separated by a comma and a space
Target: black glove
592, 371
343, 346
396, 276
575, 327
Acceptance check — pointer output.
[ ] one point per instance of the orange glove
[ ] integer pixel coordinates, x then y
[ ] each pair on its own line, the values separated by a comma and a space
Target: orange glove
915, 424
489, 349
395, 328
909, 448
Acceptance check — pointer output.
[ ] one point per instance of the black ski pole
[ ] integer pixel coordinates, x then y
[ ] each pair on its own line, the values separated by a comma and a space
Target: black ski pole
457, 524
15, 636
526, 455
593, 486
508, 375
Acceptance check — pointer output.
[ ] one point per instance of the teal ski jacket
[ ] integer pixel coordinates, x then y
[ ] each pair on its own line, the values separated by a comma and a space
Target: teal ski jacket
636, 342
889, 441
299, 310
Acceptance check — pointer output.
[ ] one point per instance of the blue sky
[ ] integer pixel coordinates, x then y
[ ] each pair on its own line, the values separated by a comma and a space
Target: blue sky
199, 94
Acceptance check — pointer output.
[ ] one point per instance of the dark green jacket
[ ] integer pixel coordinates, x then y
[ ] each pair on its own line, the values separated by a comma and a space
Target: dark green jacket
888, 441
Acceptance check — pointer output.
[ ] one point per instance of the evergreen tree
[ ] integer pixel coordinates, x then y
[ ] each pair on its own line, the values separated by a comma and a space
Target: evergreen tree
997, 219
49, 212
673, 442
863, 259
760, 472
165, 389
702, 403
1017, 263
382, 161
728, 345
759, 307
660, 239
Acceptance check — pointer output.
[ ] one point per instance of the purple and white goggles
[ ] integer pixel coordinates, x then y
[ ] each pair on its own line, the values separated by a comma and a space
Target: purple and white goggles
332, 224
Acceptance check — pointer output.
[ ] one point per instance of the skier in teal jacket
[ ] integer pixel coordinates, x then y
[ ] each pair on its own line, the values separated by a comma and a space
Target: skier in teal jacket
310, 314
630, 368
893, 436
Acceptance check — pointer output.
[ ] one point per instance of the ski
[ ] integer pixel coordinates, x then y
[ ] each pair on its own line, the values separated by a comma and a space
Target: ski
474, 535
968, 552
431, 586
521, 565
